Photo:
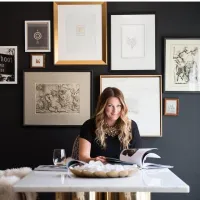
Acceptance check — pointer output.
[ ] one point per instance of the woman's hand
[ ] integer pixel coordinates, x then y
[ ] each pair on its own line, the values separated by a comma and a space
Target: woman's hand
100, 158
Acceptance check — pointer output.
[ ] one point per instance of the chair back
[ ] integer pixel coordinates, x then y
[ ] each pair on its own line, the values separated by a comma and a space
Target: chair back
75, 149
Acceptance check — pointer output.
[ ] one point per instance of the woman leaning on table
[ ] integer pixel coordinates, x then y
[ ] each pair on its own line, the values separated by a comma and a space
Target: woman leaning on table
110, 131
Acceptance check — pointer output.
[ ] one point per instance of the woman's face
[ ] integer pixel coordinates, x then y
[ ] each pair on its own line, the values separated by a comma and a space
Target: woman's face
113, 110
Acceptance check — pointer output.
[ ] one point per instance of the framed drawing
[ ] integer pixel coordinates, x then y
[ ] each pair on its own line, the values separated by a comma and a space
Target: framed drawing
80, 33
182, 64
171, 106
133, 42
37, 60
8, 64
143, 95
37, 36
57, 98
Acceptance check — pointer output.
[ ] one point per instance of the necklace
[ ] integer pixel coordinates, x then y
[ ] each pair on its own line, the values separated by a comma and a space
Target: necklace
111, 130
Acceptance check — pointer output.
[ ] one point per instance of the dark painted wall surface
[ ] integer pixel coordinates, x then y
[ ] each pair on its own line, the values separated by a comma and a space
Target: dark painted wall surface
31, 146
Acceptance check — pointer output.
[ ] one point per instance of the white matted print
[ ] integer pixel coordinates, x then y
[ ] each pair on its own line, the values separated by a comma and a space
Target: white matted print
182, 64
78, 23
133, 42
57, 98
37, 60
37, 36
171, 106
143, 96
8, 64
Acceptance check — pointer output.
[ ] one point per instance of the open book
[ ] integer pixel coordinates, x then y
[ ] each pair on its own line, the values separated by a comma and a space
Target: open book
62, 168
137, 156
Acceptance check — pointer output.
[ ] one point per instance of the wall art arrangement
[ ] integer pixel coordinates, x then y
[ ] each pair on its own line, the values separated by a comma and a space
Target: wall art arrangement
171, 106
8, 64
57, 98
133, 42
37, 36
143, 95
38, 60
78, 23
182, 64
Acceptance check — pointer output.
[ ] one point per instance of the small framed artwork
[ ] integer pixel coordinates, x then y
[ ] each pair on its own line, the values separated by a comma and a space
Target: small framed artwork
143, 96
78, 23
37, 36
37, 60
171, 106
8, 64
57, 98
133, 42
182, 64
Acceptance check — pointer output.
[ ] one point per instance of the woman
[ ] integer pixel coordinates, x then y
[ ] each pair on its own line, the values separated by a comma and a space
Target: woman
110, 131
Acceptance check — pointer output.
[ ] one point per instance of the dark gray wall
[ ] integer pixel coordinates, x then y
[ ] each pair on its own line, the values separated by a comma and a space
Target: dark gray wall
31, 146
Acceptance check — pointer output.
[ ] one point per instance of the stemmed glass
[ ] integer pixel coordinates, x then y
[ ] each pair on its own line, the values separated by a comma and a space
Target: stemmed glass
59, 157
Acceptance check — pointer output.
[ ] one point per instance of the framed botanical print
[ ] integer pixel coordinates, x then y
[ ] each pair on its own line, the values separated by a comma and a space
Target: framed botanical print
133, 42
57, 98
37, 36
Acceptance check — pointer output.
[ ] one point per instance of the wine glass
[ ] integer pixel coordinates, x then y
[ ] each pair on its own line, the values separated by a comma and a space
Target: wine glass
59, 157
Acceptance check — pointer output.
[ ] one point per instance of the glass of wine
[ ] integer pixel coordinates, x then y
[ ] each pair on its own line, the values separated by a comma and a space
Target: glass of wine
59, 157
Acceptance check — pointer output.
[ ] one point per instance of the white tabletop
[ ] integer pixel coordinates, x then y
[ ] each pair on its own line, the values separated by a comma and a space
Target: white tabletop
154, 180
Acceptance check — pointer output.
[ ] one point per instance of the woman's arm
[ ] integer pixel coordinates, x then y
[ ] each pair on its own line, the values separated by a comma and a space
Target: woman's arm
136, 141
84, 152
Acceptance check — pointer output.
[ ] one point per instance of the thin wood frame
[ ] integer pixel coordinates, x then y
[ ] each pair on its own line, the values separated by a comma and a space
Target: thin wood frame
37, 66
143, 95
65, 61
171, 106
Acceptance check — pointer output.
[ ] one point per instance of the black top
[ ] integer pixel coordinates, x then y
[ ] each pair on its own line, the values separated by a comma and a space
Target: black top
113, 147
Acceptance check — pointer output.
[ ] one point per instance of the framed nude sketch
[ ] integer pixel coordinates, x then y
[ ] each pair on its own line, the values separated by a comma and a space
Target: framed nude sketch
143, 95
57, 98
37, 36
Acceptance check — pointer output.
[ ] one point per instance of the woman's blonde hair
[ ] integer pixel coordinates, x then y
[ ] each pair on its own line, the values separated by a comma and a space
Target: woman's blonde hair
124, 124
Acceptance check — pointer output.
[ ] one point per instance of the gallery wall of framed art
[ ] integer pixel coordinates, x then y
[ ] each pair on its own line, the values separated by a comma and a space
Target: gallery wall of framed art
175, 52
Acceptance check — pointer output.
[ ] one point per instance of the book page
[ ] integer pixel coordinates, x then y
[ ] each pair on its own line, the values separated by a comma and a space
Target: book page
135, 156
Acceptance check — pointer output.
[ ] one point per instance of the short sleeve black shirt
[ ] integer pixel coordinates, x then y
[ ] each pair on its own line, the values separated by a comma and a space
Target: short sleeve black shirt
113, 147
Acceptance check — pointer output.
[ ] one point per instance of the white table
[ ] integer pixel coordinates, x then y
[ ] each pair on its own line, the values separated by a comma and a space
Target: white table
146, 181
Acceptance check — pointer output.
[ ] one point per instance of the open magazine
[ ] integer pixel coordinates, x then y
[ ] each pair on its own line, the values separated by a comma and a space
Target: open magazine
60, 168
127, 157
138, 156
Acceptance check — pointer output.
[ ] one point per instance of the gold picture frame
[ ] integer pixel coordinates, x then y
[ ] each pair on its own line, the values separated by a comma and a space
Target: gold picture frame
143, 95
171, 106
93, 37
